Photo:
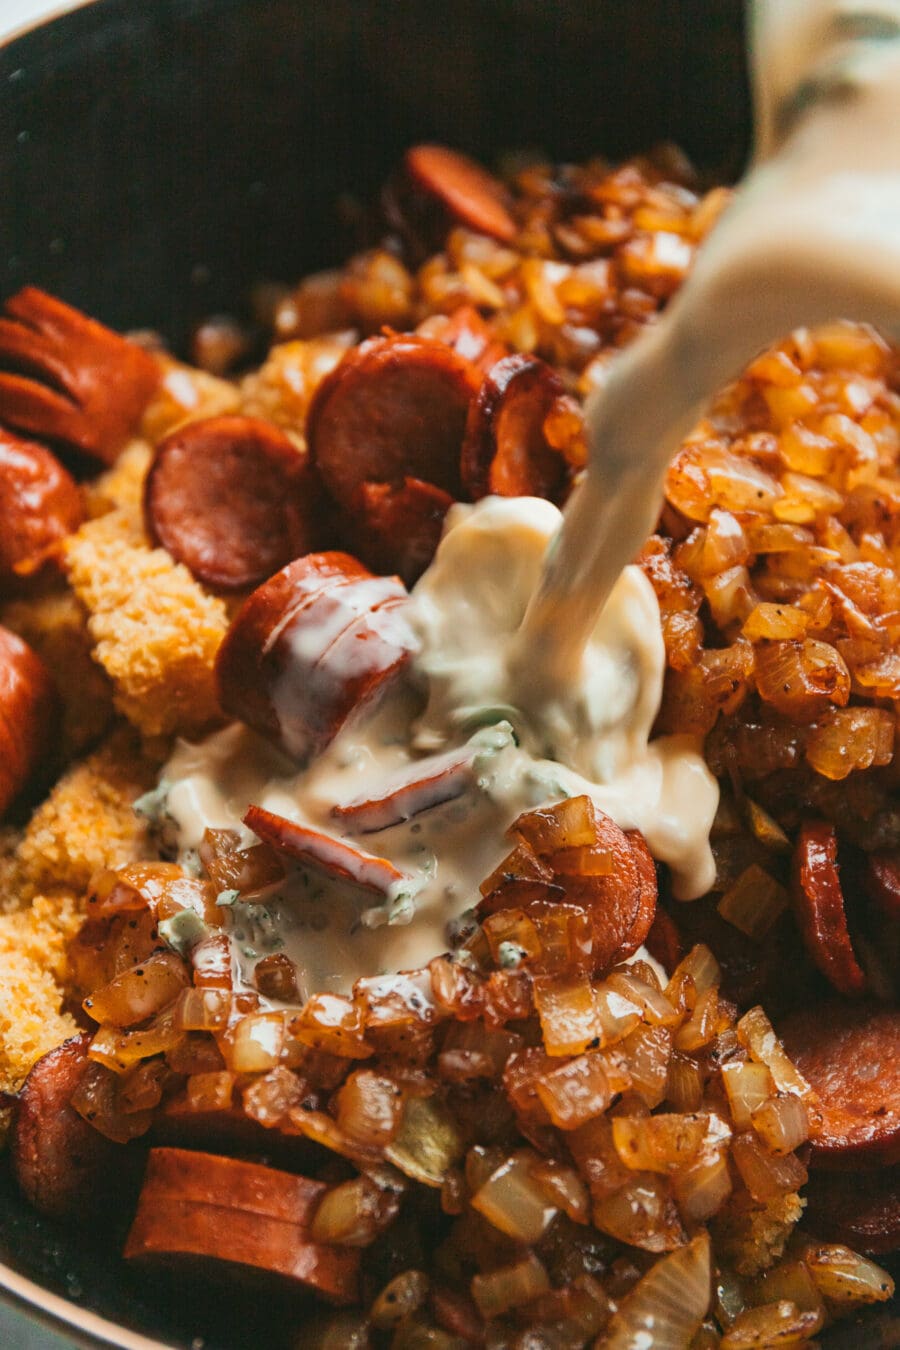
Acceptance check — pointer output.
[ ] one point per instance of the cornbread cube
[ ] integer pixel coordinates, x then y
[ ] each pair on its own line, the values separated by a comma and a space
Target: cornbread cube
87, 821
155, 630
55, 625
32, 971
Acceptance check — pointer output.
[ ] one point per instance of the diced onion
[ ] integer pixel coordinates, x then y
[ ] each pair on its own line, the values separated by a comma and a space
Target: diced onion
846, 1278
747, 1085
138, 993
514, 1202
210, 1091
754, 902
702, 1189
666, 1307
782, 1123
510, 1286
255, 1043
569, 1021
766, 1176
779, 1324
369, 1108
757, 1034
576, 1091
401, 1297
427, 1143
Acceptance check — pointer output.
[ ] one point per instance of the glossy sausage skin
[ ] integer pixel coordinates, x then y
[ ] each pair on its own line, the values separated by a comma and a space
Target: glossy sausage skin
28, 715
39, 505
219, 1210
397, 529
435, 189
320, 640
819, 903
233, 499
861, 1209
394, 409
59, 1161
68, 379
850, 1053
505, 450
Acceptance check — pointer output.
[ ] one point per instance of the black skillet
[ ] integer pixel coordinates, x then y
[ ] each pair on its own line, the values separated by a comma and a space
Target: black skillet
158, 157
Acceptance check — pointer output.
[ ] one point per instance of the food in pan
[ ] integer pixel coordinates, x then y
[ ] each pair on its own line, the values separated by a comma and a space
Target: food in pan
476, 1035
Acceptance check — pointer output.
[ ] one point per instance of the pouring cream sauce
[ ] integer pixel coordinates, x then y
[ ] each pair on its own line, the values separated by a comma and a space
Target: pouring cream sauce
465, 613
540, 653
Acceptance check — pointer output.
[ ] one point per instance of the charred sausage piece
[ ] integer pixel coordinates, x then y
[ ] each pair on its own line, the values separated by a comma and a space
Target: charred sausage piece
28, 714
646, 911
505, 450
39, 505
819, 903
222, 1212
68, 379
397, 529
850, 1053
233, 499
618, 902
438, 188
861, 1209
428, 783
395, 408
59, 1161
311, 647
334, 857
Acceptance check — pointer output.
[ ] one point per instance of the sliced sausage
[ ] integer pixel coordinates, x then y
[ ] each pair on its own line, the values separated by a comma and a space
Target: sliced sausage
505, 449
395, 408
646, 910
220, 1210
312, 646
28, 715
861, 1209
398, 529
663, 941
39, 505
466, 192
58, 1159
337, 859
83, 385
850, 1053
427, 783
233, 499
819, 903
620, 904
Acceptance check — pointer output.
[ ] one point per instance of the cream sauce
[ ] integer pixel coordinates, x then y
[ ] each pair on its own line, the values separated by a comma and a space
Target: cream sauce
464, 613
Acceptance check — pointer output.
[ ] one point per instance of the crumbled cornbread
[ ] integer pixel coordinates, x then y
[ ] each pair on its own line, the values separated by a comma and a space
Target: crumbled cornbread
754, 1238
87, 822
32, 970
156, 632
282, 389
123, 484
55, 625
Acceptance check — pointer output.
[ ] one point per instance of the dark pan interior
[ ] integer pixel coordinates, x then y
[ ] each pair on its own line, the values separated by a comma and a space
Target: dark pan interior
157, 157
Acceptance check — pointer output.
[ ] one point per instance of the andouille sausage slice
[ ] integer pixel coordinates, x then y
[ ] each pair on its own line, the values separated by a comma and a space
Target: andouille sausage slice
398, 529
420, 787
850, 1053
464, 189
505, 450
819, 903
59, 1161
310, 648
28, 714
882, 881
336, 858
233, 499
620, 904
395, 408
221, 1210
91, 387
39, 505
